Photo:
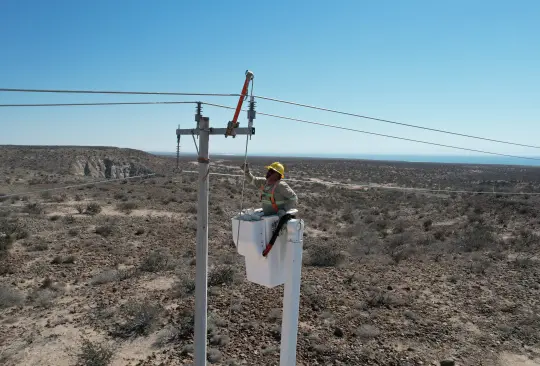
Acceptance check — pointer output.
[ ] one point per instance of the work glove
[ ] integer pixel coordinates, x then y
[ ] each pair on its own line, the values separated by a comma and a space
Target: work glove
245, 167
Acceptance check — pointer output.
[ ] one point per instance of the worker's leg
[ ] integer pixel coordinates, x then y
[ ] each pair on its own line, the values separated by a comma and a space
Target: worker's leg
282, 221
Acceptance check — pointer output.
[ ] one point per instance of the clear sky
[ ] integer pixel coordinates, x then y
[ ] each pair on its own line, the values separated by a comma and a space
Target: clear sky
464, 65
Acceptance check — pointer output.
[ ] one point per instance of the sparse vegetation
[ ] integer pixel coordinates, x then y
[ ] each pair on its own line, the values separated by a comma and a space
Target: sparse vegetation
94, 354
323, 256
156, 261
221, 275
127, 207
10, 296
140, 319
380, 266
93, 208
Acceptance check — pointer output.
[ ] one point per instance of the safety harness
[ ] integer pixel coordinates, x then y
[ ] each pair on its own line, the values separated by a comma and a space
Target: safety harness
270, 197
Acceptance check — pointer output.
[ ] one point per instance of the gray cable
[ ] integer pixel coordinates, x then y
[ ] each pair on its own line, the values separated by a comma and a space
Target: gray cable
382, 135
395, 122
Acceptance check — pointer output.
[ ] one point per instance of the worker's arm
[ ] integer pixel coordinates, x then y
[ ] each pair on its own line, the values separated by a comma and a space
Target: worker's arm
291, 199
250, 179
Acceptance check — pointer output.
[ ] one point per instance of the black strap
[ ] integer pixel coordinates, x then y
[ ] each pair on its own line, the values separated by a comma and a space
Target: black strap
282, 221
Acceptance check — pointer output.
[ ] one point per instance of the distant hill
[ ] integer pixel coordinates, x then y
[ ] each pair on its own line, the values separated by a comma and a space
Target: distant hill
89, 161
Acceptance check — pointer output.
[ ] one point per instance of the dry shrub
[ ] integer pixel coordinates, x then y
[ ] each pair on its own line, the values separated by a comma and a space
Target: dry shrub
220, 275
141, 318
127, 207
105, 230
477, 238
366, 331
10, 297
183, 287
156, 261
94, 354
33, 209
324, 256
93, 209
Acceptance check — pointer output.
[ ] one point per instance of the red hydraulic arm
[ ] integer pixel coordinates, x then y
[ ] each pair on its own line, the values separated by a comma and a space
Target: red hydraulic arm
234, 123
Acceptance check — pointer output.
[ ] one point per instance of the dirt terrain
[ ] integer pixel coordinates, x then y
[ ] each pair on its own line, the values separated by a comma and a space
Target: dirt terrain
103, 274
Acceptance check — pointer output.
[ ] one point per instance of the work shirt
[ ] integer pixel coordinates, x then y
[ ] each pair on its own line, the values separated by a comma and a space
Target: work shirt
284, 196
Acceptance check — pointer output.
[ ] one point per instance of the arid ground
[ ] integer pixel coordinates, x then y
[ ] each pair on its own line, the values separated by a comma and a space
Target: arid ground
103, 274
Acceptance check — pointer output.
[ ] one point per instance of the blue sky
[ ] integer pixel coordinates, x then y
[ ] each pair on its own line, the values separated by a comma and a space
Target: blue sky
466, 66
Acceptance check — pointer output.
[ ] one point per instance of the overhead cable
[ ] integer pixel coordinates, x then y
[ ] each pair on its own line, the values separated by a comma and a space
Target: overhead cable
88, 104
382, 135
396, 123
115, 92
373, 186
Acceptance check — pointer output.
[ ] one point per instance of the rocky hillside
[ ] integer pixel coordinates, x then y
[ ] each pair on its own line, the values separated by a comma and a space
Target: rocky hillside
97, 162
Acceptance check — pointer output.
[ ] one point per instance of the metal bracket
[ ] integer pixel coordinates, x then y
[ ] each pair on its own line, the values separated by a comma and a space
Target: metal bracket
216, 131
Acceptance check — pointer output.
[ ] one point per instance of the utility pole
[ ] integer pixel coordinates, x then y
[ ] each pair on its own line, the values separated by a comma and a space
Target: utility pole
203, 131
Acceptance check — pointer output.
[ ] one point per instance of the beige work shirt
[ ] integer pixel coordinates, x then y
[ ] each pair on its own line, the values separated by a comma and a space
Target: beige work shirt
284, 196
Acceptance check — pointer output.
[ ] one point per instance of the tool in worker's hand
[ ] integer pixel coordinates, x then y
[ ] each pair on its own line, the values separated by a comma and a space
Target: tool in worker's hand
234, 123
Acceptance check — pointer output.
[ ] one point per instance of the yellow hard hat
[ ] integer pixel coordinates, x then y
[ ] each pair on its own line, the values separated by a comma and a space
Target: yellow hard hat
278, 167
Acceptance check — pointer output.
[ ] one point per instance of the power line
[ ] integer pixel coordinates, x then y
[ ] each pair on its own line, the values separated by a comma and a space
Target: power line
115, 92
74, 186
237, 95
396, 123
382, 135
88, 104
372, 186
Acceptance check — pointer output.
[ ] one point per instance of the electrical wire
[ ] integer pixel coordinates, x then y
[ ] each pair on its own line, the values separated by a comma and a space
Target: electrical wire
74, 186
395, 122
114, 92
237, 95
374, 186
381, 135
88, 104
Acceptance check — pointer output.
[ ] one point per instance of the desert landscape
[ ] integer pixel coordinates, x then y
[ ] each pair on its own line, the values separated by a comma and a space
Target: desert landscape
104, 273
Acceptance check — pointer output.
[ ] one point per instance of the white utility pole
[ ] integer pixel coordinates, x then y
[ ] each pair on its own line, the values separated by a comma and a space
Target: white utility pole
201, 277
204, 131
291, 292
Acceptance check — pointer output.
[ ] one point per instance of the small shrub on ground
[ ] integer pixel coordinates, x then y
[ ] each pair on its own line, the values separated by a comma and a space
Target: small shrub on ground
366, 331
94, 354
69, 219
10, 297
33, 209
80, 209
55, 217
323, 256
176, 333
478, 238
221, 275
93, 209
156, 261
70, 259
105, 230
141, 319
183, 287
43, 298
127, 207
214, 355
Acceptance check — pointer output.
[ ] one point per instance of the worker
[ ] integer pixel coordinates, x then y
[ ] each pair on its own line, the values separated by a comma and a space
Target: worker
276, 195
